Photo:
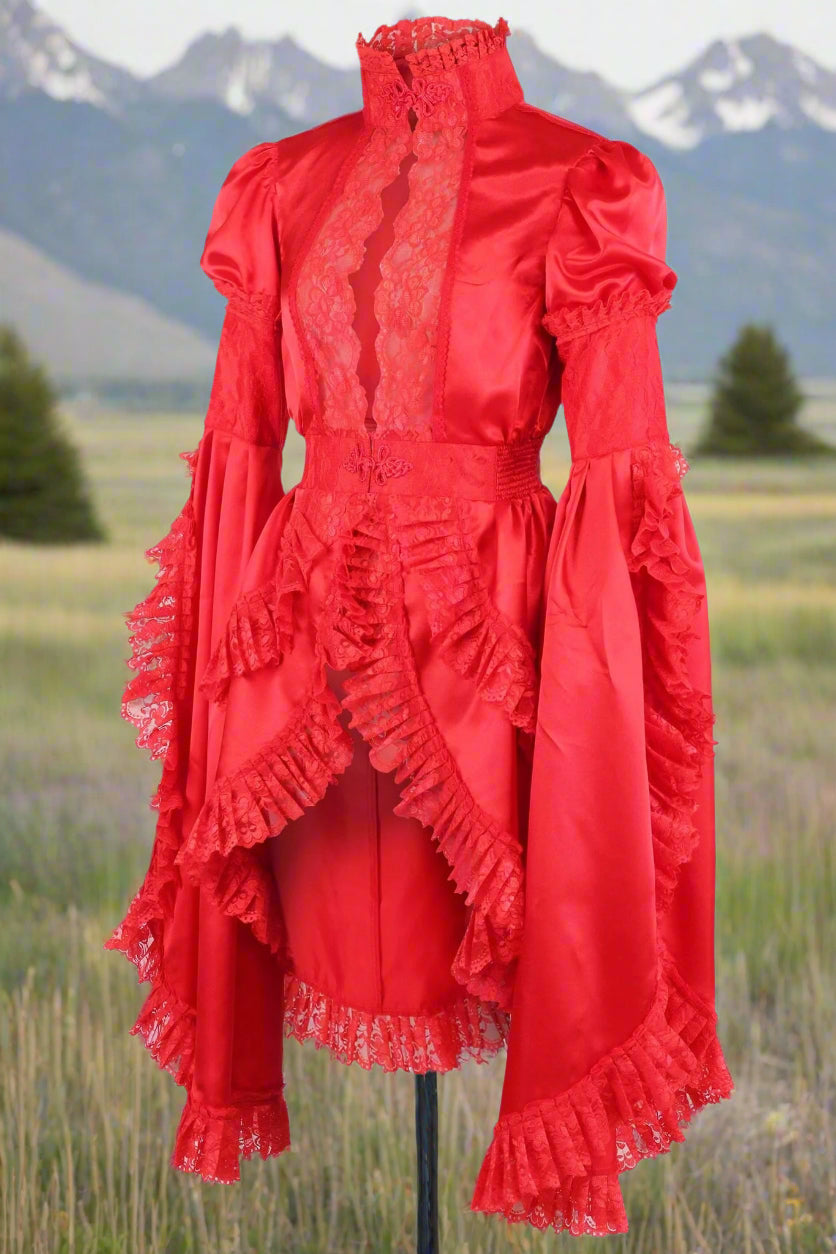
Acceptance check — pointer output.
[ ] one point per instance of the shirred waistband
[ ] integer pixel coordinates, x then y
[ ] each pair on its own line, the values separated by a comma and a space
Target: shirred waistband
366, 461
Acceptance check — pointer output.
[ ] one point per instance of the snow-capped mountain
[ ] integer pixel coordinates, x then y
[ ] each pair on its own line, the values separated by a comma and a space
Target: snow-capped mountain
737, 85
37, 53
733, 86
253, 75
113, 177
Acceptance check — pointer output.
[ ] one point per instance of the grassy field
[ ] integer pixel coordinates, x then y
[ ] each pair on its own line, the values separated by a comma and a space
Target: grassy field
86, 1117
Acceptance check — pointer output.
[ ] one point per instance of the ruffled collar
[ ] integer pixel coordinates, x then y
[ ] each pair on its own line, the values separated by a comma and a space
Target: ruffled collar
449, 71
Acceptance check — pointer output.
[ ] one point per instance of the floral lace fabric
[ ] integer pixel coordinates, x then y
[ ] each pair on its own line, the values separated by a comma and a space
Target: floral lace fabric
418, 1043
160, 631
363, 629
407, 298
434, 536
324, 296
539, 1168
430, 609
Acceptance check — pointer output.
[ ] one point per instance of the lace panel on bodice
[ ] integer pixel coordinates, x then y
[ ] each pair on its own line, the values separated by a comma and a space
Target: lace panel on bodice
407, 299
406, 293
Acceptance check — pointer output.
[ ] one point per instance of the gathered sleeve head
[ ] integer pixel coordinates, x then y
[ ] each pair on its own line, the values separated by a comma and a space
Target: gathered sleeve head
241, 254
606, 282
242, 257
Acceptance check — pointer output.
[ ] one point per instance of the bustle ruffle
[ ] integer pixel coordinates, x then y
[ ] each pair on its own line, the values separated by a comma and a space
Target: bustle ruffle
223, 851
260, 628
363, 629
476, 639
640, 1095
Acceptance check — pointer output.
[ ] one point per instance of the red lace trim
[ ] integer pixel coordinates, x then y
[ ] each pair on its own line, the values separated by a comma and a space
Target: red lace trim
573, 321
259, 307
243, 809
538, 1166
260, 628
456, 41
635, 1100
210, 1139
162, 640
407, 298
678, 718
160, 633
477, 639
418, 1043
365, 630
166, 1025
324, 295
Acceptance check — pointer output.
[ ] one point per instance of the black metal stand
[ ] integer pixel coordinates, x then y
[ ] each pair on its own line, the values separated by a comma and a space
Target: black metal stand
426, 1140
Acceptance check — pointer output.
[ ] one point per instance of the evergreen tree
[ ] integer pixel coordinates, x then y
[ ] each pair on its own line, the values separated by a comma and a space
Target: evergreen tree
756, 400
43, 494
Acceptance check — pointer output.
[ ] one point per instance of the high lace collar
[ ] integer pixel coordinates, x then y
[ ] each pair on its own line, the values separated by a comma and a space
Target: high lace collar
441, 71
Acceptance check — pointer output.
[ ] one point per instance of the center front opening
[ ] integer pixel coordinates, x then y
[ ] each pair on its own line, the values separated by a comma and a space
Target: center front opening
364, 280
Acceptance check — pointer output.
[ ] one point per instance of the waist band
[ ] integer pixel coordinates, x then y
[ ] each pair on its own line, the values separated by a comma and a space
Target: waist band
368, 462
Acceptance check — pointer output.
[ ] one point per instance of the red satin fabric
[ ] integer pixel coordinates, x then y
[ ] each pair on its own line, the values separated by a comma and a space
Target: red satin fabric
437, 746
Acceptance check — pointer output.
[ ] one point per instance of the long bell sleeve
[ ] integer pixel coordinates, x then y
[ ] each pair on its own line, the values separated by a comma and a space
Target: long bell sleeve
177, 941
613, 1045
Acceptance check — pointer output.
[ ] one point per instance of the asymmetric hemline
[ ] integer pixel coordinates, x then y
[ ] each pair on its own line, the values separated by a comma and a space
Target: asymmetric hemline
436, 745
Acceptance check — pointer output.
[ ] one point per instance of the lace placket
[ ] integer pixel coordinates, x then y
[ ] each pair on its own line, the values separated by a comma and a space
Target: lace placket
369, 290
408, 297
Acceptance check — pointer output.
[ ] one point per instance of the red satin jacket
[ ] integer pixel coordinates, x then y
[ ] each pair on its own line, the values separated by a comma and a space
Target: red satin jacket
436, 746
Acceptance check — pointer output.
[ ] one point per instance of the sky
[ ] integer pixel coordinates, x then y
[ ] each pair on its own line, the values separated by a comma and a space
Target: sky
630, 45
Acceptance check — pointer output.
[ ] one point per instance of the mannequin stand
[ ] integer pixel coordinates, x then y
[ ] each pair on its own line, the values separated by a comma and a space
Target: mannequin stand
426, 1139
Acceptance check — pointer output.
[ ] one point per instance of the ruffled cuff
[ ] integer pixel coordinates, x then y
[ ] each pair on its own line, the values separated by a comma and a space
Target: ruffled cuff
573, 322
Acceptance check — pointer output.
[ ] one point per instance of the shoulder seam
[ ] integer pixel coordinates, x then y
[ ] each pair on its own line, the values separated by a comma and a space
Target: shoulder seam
320, 126
559, 121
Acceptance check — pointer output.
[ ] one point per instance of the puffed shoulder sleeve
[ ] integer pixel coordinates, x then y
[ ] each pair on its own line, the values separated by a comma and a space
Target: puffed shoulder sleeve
607, 281
235, 469
235, 485
613, 1043
606, 256
241, 254
242, 257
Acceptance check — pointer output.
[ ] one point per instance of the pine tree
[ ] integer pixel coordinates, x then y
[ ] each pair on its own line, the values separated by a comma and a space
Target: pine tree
43, 494
756, 400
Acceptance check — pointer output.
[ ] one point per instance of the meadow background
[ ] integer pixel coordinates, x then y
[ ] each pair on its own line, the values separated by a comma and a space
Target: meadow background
87, 1119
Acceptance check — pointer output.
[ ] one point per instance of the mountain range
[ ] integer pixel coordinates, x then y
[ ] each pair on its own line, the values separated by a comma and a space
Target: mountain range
107, 181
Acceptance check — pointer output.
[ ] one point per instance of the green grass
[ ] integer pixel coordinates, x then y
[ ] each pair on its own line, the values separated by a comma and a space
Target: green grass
87, 1120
